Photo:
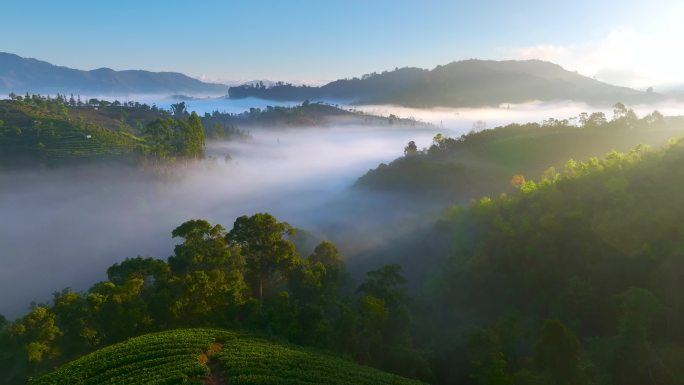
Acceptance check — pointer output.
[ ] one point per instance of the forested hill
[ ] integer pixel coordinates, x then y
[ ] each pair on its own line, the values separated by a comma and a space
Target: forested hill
575, 279
305, 115
469, 83
18, 74
37, 130
463, 168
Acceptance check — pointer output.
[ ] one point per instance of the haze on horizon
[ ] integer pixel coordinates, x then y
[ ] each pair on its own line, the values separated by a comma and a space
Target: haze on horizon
630, 43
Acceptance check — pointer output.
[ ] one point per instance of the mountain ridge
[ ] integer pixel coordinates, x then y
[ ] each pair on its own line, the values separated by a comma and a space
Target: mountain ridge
465, 83
19, 74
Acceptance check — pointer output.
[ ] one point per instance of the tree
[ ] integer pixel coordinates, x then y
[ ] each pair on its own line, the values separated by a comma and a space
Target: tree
40, 332
179, 110
138, 267
204, 247
654, 119
411, 148
316, 279
160, 136
619, 111
269, 255
596, 119
194, 137
326, 253
558, 352
518, 180
120, 310
386, 283
439, 141
634, 360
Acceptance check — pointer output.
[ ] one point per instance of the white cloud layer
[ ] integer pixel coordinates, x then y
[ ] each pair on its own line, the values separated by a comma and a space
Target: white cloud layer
627, 56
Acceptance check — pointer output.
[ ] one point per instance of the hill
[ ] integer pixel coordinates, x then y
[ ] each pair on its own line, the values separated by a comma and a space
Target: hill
53, 131
45, 132
468, 83
36, 130
203, 356
573, 279
20, 75
460, 169
305, 115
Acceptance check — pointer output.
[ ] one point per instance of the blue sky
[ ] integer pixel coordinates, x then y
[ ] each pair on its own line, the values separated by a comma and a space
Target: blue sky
619, 41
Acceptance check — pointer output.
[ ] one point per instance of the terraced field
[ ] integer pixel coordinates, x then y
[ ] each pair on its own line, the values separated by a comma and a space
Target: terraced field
31, 134
205, 356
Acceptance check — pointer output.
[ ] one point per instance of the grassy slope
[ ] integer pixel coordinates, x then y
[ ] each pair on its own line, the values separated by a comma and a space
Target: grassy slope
180, 356
33, 134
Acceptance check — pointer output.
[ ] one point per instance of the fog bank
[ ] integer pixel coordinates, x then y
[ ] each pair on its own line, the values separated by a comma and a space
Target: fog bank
63, 228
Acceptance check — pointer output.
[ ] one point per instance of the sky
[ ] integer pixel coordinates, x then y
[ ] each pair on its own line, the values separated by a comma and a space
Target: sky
629, 42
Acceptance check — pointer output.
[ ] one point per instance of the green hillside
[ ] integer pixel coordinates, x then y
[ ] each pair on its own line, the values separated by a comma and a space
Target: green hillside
205, 356
483, 162
575, 279
41, 131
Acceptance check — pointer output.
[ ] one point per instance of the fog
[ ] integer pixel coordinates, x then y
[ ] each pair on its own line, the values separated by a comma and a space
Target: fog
460, 118
63, 228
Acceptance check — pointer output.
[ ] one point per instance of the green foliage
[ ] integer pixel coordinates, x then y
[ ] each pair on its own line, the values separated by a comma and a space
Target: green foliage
180, 356
269, 255
168, 357
250, 277
169, 138
587, 255
558, 352
228, 125
38, 130
572, 279
482, 162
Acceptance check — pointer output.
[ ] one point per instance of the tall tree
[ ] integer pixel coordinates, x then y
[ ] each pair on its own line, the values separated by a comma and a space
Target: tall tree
558, 353
268, 253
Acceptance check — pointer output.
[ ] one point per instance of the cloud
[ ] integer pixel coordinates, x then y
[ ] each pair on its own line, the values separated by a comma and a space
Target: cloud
625, 56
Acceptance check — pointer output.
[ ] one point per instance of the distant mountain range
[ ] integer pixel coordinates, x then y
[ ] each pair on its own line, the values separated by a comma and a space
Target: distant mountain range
468, 83
20, 75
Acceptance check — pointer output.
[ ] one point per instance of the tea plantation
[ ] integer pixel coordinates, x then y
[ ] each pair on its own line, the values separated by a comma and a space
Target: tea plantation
205, 356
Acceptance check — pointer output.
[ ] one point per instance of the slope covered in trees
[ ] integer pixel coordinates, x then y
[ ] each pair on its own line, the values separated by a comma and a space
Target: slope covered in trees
482, 162
251, 277
575, 279
468, 83
36, 130
304, 115
572, 278
201, 356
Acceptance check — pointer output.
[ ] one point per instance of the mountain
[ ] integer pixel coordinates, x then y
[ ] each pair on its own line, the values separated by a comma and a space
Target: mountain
468, 83
19, 75
205, 356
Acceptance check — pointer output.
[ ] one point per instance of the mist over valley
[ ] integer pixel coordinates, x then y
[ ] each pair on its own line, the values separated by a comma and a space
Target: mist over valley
260, 193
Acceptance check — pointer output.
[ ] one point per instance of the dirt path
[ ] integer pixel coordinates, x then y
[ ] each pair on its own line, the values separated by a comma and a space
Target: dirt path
217, 375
